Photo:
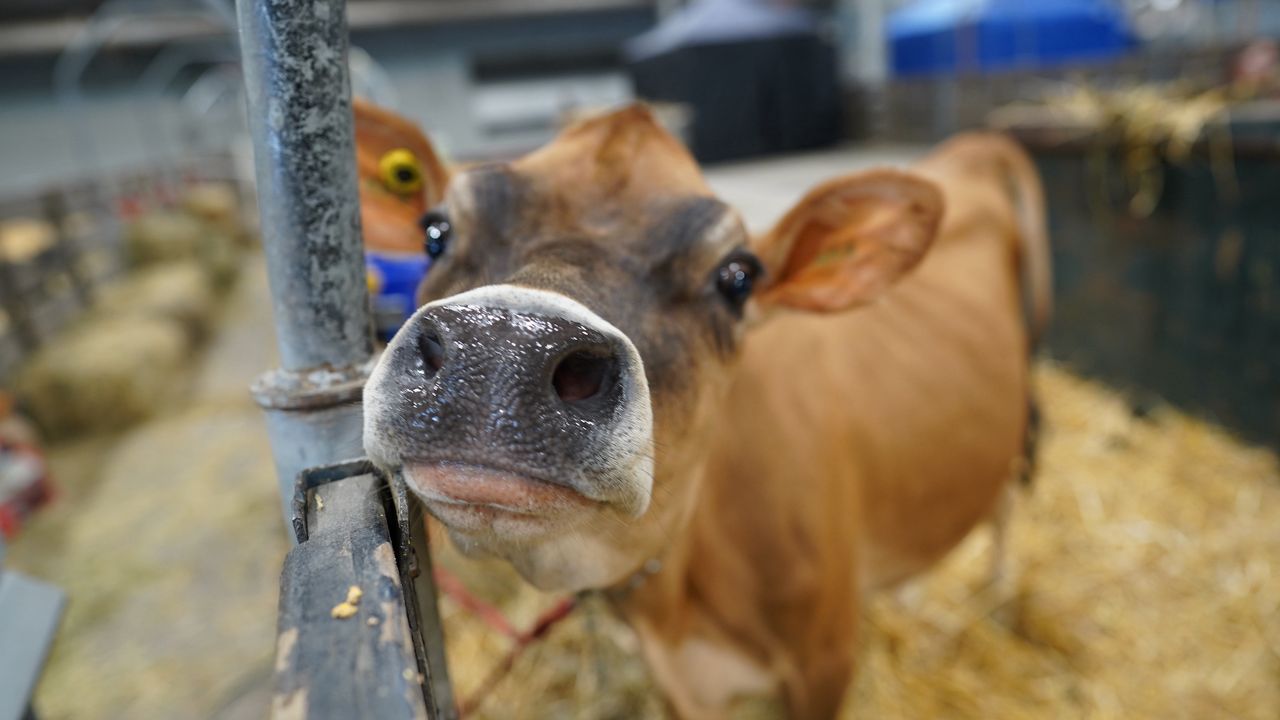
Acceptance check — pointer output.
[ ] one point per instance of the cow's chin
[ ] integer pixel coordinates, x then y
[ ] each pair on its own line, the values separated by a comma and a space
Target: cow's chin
554, 536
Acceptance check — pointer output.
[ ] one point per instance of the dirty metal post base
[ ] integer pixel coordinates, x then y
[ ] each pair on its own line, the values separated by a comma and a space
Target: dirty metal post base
313, 418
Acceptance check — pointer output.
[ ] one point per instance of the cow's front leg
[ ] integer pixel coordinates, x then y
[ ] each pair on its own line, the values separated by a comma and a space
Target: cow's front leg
704, 677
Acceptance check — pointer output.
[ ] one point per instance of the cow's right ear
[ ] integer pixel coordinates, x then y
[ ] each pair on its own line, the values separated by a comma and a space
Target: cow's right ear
848, 240
401, 177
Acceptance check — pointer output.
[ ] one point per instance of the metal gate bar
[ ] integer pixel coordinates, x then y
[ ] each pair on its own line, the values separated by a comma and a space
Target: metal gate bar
294, 56
382, 658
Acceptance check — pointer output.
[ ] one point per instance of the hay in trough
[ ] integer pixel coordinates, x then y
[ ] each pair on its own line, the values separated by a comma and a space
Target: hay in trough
218, 206
163, 236
167, 236
105, 375
1170, 118
213, 202
22, 239
1147, 566
1145, 125
180, 292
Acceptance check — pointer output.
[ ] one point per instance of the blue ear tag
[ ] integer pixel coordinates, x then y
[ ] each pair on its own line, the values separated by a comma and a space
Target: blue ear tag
393, 283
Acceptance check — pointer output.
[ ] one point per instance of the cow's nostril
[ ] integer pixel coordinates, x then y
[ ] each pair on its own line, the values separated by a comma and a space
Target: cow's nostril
432, 352
583, 375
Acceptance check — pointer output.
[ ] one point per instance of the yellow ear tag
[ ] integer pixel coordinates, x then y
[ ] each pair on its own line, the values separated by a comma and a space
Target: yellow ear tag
400, 171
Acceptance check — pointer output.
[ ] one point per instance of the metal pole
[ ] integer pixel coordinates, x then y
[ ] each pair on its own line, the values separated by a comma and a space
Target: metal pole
294, 57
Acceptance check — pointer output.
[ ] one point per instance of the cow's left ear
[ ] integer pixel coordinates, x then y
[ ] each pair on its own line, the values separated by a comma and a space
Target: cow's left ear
848, 240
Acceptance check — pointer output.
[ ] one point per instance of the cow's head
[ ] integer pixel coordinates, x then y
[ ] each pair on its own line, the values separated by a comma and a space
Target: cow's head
400, 177
550, 398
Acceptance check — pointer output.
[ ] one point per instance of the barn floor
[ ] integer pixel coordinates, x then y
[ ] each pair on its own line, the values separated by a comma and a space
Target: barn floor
1147, 558
168, 542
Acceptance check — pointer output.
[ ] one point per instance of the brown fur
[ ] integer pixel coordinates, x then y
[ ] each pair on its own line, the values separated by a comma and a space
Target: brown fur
843, 435
854, 451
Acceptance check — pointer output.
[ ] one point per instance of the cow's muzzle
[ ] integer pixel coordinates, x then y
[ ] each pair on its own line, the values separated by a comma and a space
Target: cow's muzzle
513, 403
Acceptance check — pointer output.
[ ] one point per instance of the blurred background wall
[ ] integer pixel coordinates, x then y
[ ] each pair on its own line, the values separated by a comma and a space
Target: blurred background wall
480, 73
491, 76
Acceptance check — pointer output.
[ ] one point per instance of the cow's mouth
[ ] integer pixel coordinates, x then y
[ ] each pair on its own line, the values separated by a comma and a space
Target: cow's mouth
472, 498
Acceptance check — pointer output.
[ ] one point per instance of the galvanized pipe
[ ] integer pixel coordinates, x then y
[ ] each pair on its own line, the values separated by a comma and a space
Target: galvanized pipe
294, 57
294, 54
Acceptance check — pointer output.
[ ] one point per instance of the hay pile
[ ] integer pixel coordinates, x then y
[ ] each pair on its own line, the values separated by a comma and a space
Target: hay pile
163, 236
167, 236
180, 292
1171, 117
1147, 560
105, 375
208, 227
132, 353
219, 205
1145, 125
129, 358
22, 239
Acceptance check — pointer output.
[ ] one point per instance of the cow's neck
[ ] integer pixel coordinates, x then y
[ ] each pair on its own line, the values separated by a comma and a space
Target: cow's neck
693, 608
771, 520
705, 552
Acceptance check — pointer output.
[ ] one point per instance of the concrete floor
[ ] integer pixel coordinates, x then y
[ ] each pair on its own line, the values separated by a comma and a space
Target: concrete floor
167, 537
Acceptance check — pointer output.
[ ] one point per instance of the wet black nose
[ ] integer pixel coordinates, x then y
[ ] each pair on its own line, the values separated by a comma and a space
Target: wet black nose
520, 365
432, 350
584, 374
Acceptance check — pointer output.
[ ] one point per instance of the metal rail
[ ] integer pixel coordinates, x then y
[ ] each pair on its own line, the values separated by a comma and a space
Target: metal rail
294, 57
156, 81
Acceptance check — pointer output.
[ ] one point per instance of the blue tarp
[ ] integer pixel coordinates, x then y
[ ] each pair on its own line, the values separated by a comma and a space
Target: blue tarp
943, 36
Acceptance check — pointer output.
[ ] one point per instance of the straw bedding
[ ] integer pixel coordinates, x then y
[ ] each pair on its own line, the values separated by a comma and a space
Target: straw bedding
168, 544
1146, 561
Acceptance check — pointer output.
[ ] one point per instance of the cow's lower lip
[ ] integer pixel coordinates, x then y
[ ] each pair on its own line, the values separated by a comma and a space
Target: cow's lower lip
479, 493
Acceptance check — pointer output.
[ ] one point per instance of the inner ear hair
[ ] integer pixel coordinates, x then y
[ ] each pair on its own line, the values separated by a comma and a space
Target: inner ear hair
849, 239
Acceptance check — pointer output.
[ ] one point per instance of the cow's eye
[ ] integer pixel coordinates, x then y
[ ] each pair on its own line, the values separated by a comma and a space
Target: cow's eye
736, 278
437, 229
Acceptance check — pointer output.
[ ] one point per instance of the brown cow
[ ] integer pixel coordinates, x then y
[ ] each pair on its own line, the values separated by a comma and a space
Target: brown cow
611, 385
